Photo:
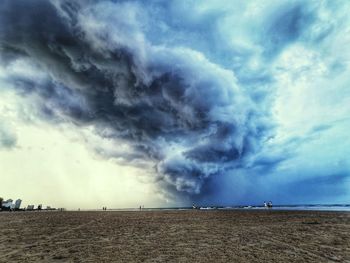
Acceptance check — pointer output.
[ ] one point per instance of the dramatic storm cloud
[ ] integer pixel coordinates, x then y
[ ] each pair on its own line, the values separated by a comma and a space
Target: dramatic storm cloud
218, 101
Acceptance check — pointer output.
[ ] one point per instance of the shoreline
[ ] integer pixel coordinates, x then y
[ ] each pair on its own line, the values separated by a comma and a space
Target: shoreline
323, 208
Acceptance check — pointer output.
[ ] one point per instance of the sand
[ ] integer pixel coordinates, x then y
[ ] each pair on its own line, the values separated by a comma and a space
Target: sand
175, 236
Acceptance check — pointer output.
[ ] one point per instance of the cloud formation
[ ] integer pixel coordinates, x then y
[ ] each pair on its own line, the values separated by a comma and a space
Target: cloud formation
8, 138
200, 92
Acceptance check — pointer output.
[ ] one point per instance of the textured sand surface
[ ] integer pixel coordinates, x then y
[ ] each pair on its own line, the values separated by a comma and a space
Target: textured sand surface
175, 236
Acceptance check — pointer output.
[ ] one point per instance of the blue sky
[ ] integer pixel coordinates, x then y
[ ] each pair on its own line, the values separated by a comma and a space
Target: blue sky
223, 102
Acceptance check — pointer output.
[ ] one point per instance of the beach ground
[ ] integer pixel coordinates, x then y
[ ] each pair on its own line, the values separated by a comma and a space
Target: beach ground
175, 236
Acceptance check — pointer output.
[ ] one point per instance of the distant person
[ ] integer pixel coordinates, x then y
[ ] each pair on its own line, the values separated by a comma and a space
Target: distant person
269, 204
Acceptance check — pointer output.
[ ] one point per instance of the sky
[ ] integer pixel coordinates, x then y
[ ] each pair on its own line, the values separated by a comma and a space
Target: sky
166, 103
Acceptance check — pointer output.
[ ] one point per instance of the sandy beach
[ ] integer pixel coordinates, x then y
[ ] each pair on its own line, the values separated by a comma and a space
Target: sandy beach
175, 236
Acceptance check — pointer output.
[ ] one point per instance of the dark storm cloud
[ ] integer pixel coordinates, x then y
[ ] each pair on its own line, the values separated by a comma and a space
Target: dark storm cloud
191, 120
189, 90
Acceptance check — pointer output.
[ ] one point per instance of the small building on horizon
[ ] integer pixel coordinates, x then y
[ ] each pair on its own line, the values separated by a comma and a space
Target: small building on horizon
17, 204
7, 203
